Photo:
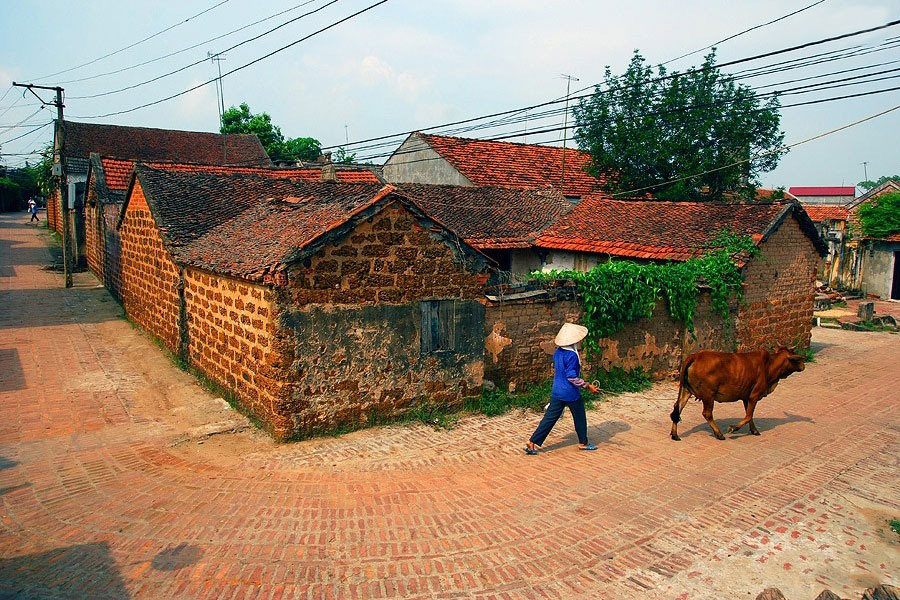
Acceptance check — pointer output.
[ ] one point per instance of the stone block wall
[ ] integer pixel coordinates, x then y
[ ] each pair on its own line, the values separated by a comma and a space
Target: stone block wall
111, 247
355, 315
233, 337
519, 339
93, 232
391, 259
779, 287
150, 279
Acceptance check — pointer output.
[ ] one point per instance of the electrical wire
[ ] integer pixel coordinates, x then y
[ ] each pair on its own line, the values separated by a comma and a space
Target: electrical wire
176, 52
27, 133
244, 66
760, 154
141, 41
203, 60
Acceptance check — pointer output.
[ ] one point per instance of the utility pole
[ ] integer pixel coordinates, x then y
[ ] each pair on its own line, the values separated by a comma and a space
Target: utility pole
569, 79
63, 181
865, 170
220, 92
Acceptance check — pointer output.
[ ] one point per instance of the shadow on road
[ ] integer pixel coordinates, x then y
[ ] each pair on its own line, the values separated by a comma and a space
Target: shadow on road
762, 423
72, 572
598, 434
11, 375
182, 555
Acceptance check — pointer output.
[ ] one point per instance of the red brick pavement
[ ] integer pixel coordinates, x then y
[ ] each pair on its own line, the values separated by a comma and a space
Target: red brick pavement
99, 497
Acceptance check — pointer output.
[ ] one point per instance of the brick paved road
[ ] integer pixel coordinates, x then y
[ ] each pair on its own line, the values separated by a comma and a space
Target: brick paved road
106, 492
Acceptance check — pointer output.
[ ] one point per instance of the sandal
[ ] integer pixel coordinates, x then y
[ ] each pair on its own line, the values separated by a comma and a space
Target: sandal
531, 451
588, 447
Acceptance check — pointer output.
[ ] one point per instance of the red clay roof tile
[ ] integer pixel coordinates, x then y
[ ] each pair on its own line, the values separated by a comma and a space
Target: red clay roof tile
821, 213
508, 164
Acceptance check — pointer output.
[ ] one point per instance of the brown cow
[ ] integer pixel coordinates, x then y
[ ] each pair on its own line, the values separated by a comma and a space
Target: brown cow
728, 377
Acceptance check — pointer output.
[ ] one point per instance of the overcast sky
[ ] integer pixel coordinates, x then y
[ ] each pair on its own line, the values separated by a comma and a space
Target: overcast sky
411, 64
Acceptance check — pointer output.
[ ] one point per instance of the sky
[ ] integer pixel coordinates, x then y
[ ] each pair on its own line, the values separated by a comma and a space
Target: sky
413, 64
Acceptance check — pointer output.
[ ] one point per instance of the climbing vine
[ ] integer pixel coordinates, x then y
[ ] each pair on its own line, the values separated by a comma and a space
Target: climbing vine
618, 292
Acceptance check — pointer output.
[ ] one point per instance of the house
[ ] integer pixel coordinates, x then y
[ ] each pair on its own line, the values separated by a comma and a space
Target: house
426, 158
831, 223
827, 195
107, 182
779, 284
136, 143
313, 304
877, 265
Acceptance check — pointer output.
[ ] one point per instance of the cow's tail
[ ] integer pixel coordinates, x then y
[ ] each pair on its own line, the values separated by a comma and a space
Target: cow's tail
684, 388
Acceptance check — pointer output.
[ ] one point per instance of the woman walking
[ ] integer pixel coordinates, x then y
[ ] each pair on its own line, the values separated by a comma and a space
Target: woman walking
567, 385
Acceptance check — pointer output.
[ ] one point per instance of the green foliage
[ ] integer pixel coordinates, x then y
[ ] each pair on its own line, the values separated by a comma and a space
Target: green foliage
498, 402
618, 292
880, 216
868, 184
895, 525
617, 380
239, 119
649, 127
342, 156
808, 354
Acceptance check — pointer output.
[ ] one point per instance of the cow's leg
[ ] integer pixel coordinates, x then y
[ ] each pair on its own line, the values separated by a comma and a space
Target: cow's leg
708, 415
750, 408
748, 418
683, 396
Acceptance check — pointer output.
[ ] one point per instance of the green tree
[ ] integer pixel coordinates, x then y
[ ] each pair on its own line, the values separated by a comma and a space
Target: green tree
648, 128
880, 216
239, 119
869, 184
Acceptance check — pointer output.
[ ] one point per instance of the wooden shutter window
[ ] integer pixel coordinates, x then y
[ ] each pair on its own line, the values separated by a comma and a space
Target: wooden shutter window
438, 326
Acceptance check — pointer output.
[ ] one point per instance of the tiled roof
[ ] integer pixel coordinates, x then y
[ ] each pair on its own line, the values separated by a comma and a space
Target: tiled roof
118, 172
490, 217
657, 230
822, 213
249, 224
823, 191
147, 144
507, 164
773, 194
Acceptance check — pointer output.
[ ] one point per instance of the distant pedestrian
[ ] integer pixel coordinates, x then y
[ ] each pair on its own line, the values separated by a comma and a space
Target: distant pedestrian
567, 386
33, 209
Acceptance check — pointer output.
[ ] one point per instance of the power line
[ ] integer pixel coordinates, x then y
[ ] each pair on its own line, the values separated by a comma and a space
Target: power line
755, 27
661, 78
202, 60
761, 154
141, 41
27, 133
244, 66
176, 52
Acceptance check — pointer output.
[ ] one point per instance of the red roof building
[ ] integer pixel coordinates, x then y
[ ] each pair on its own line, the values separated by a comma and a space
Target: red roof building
828, 195
656, 230
425, 158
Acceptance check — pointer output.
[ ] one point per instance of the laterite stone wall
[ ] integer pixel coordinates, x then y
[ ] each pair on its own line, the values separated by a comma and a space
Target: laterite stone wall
54, 222
519, 338
355, 318
150, 278
234, 339
93, 236
777, 309
111, 247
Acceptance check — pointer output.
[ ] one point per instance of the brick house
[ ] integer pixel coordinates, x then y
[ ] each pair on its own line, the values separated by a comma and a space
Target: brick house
778, 296
136, 143
875, 261
315, 304
107, 182
824, 195
426, 158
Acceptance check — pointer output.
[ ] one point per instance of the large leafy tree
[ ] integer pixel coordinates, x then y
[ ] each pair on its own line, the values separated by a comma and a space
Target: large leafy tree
673, 133
880, 216
239, 119
868, 184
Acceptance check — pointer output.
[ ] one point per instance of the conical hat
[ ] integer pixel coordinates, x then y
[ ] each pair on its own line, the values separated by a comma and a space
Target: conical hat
570, 333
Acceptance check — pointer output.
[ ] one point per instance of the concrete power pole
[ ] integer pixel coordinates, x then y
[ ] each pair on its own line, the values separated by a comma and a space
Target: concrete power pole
569, 79
220, 89
63, 181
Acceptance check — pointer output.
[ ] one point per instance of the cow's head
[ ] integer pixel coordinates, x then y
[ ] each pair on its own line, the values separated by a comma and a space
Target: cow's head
786, 361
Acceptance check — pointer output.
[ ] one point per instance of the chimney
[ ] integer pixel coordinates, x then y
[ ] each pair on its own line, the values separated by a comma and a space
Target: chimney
329, 173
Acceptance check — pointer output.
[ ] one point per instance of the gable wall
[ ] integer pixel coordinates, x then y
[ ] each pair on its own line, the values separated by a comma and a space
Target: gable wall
777, 309
93, 234
150, 279
354, 316
416, 162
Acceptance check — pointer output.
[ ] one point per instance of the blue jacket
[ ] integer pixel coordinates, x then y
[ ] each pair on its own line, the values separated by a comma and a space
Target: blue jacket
566, 365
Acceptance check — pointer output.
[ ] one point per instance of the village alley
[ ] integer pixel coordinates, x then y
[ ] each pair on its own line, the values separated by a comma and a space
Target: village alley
121, 477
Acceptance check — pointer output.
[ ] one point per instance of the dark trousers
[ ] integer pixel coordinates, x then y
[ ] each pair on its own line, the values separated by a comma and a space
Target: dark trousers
554, 411
34, 217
